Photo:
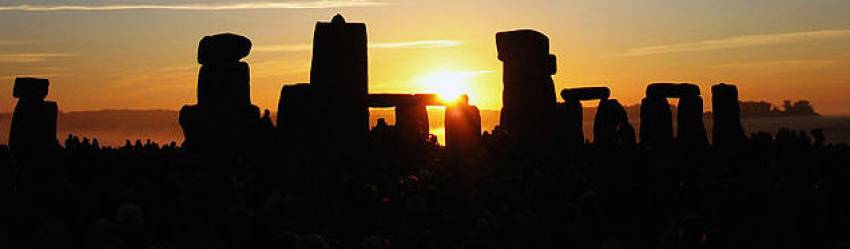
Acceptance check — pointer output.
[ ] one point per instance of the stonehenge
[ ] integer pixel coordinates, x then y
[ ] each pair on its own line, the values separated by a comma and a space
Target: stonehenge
528, 96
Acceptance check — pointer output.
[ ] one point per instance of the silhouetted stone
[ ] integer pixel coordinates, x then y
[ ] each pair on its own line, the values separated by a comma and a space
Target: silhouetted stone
671, 90
30, 88
224, 113
224, 85
656, 127
656, 122
690, 129
727, 130
339, 78
586, 93
410, 111
32, 135
611, 125
521, 44
463, 128
571, 113
528, 98
412, 121
223, 48
571, 123
295, 117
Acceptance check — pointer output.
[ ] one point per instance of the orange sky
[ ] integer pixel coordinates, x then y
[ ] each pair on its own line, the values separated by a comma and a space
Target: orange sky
111, 54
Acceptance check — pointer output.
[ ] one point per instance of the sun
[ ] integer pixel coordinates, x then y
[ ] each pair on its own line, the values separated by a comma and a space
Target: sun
448, 85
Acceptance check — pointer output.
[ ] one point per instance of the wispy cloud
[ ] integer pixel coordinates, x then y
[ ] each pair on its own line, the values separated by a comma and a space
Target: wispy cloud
737, 42
378, 45
30, 57
319, 4
11, 42
779, 65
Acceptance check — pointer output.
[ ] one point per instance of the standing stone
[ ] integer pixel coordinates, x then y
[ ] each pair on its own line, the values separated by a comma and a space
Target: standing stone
32, 136
690, 128
611, 125
295, 115
463, 128
528, 98
224, 118
412, 121
338, 76
727, 131
656, 122
224, 85
571, 123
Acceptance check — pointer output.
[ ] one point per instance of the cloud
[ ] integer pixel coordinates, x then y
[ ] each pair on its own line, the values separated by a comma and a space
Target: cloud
30, 57
378, 45
737, 42
10, 42
779, 65
319, 4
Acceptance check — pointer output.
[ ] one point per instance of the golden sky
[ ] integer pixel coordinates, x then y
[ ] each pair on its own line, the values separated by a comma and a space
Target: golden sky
133, 54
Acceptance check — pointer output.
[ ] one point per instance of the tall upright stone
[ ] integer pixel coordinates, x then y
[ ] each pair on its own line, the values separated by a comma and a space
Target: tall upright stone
412, 121
611, 125
339, 78
727, 131
656, 120
463, 128
224, 117
295, 115
528, 98
32, 136
690, 130
570, 118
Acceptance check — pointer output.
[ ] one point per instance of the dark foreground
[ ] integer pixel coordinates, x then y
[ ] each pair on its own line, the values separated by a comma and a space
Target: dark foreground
787, 191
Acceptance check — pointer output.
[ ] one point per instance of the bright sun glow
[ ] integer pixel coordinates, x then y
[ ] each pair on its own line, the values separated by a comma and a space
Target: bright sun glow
449, 85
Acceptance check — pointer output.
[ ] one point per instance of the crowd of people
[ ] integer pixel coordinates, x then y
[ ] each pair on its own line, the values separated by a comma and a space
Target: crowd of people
787, 190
